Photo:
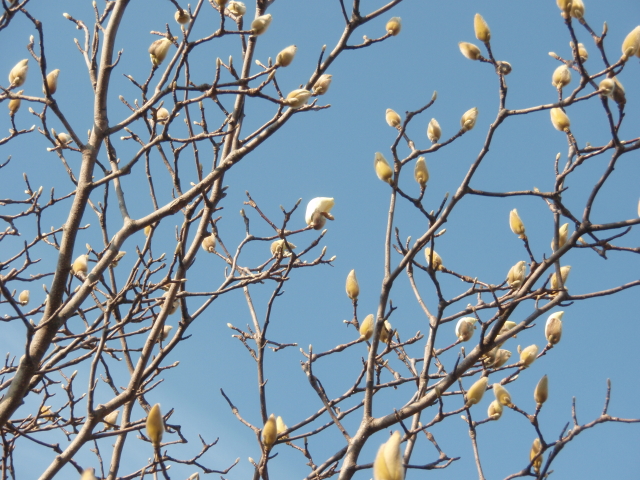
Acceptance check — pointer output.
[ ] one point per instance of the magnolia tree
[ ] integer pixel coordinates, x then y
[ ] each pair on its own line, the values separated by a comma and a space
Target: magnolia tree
133, 241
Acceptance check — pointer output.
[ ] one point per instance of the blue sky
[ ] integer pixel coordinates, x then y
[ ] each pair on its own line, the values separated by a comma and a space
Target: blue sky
330, 153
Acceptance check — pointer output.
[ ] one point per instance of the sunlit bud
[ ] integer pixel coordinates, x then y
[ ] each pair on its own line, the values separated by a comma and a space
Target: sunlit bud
14, 104
18, 74
618, 93
158, 50
553, 328
559, 119
529, 355
630, 45
261, 24
495, 410
23, 298
469, 50
394, 25
285, 57
564, 274
388, 462
45, 411
420, 172
118, 257
476, 392
541, 393
482, 29
501, 357
110, 420
318, 212
322, 84
366, 328
209, 243
166, 330
297, 98
162, 115
536, 448
385, 332
504, 67
464, 328
582, 51
577, 9
182, 17
221, 3
393, 119
437, 260
64, 139
52, 81
565, 6
352, 287
280, 248
468, 120
155, 425
147, 230
195, 476
269, 432
516, 274
434, 131
281, 427
563, 234
561, 76
237, 8
89, 474
80, 264
606, 87
516, 224
174, 306
383, 170
502, 395
65, 15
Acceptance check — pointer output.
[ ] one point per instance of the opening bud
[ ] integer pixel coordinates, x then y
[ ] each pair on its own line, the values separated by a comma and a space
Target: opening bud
420, 172
434, 132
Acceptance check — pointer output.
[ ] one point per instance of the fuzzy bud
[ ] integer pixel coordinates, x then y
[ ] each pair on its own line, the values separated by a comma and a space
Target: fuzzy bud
606, 87
110, 420
553, 328
504, 68
516, 274
366, 328
502, 395
386, 332
516, 224
322, 84
388, 462
577, 9
464, 328
469, 50
281, 427
564, 274
162, 115
483, 33
394, 25
297, 98
119, 256
529, 355
155, 425
209, 243
285, 57
420, 172
18, 74
437, 260
182, 17
630, 45
352, 287
382, 168
14, 104
23, 298
563, 234
500, 358
561, 76
80, 264
261, 24
52, 81
541, 393
468, 120
237, 8
393, 119
434, 132
559, 119
495, 410
158, 50
536, 448
269, 432
565, 7
476, 392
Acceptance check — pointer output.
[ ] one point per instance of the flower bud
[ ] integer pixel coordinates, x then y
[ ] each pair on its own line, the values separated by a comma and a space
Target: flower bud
318, 212
561, 76
388, 462
117, 258
464, 328
437, 260
434, 131
476, 392
155, 425
209, 243
553, 328
502, 395
469, 50
281, 427
261, 24
559, 119
606, 87
174, 306
280, 248
352, 287
393, 119
420, 172
182, 17
565, 7
63, 139
110, 420
528, 355
564, 274
630, 45
297, 98
18, 74
536, 448
504, 67
577, 9
618, 95
382, 168
483, 33
516, 274
237, 8
501, 357
285, 57
23, 298
221, 3
80, 264
582, 53
166, 330
14, 104
394, 25
322, 84
162, 115
366, 328
516, 224
495, 410
386, 332
52, 81
468, 120
269, 432
158, 50
563, 234
541, 393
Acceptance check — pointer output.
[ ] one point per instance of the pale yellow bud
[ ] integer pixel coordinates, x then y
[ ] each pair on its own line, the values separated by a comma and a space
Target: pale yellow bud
386, 332
577, 9
606, 87
516, 224
147, 230
393, 119
553, 328
468, 120
63, 139
158, 50
388, 462
502, 395
420, 172
434, 132
630, 45
559, 119
45, 412
529, 355
18, 74
565, 7
541, 393
516, 274
382, 168
476, 392
564, 274
269, 432
80, 264
23, 298
563, 234
280, 248
561, 76
155, 425
162, 115
52, 81
464, 328
89, 474
501, 357
469, 50
110, 420
482, 29
318, 212
221, 3
14, 104
504, 67
119, 256
618, 95
352, 287
237, 8
209, 243
322, 84
174, 306
536, 448
366, 328
182, 17
495, 410
437, 260
261, 24
394, 25
281, 427
285, 57
166, 330
297, 98
508, 325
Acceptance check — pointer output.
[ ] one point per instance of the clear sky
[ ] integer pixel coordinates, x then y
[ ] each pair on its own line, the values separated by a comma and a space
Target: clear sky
330, 153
